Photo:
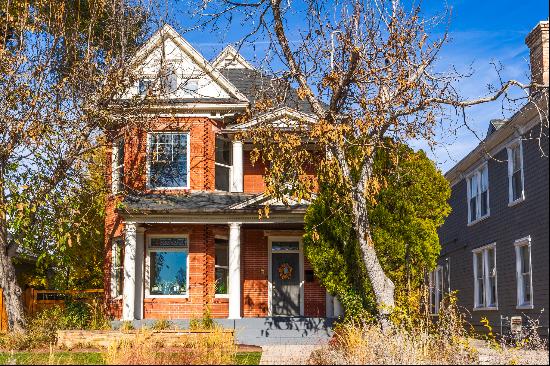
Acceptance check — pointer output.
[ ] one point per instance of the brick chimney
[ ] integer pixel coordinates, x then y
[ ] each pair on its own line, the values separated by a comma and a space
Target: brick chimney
537, 41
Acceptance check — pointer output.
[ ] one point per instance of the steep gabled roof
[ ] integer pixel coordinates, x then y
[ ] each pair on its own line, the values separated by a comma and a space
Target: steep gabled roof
230, 58
167, 31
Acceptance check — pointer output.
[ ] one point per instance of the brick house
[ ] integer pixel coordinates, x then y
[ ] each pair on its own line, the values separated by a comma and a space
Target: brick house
182, 226
495, 242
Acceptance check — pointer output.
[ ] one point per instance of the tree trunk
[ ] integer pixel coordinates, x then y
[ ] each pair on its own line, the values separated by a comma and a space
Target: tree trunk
382, 286
8, 281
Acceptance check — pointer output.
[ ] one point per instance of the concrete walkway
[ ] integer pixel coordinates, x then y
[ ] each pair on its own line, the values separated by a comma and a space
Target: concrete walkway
288, 354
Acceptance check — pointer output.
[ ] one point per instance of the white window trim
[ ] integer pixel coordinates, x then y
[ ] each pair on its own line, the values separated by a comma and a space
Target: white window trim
148, 265
525, 241
225, 166
114, 295
487, 288
221, 296
516, 143
149, 156
437, 275
115, 177
300, 250
477, 173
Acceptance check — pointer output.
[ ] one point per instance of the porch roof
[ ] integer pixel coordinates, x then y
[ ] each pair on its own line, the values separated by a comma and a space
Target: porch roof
202, 202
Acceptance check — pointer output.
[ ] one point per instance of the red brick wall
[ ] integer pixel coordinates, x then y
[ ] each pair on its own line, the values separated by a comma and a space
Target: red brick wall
254, 263
314, 296
253, 180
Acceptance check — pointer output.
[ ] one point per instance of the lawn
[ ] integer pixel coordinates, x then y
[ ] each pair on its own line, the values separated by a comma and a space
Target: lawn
90, 358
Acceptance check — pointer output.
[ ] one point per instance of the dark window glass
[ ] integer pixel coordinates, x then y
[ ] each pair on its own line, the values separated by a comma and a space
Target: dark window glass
222, 266
223, 163
168, 165
168, 273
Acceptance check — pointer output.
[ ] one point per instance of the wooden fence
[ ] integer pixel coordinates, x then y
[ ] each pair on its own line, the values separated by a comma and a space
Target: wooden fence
37, 300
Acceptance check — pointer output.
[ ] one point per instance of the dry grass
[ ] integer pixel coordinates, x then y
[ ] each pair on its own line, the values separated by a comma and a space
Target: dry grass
215, 347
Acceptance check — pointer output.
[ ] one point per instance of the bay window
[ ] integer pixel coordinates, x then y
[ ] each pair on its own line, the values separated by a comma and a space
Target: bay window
168, 163
167, 266
485, 277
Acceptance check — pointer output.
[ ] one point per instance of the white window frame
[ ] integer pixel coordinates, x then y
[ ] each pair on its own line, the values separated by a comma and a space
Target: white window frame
518, 244
436, 285
477, 174
224, 165
150, 155
221, 296
509, 149
148, 251
115, 176
149, 79
480, 304
114, 268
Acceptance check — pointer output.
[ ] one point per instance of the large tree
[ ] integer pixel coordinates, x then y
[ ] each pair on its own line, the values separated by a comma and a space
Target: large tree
366, 69
405, 214
61, 64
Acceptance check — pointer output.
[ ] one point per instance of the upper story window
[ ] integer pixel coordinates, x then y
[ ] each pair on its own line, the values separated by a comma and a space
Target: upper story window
223, 164
478, 194
515, 173
485, 277
144, 86
169, 80
168, 165
524, 278
117, 166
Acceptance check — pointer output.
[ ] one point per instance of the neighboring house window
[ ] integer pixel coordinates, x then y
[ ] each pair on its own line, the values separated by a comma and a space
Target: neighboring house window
515, 173
485, 275
117, 177
223, 164
167, 265
524, 272
168, 160
436, 289
222, 266
478, 194
117, 269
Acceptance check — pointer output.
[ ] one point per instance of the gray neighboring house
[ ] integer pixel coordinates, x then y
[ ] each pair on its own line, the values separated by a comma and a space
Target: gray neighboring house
495, 242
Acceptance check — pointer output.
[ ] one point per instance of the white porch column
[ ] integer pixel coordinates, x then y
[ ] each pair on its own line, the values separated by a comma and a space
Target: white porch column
129, 289
237, 171
140, 251
234, 270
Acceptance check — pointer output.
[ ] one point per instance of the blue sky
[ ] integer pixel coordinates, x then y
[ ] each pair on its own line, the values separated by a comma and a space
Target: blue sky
480, 32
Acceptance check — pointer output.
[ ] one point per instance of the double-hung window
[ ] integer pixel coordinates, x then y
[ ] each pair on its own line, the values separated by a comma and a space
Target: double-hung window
222, 266
167, 265
524, 273
117, 255
515, 173
223, 164
168, 165
478, 194
117, 176
436, 281
485, 277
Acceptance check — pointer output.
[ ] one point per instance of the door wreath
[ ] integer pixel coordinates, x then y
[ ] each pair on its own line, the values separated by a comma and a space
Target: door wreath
285, 271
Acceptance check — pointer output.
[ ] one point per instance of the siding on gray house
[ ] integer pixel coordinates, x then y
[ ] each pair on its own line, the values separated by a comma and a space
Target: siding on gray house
505, 223
503, 226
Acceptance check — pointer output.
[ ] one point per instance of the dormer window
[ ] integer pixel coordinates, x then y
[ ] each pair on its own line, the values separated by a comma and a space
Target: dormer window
167, 160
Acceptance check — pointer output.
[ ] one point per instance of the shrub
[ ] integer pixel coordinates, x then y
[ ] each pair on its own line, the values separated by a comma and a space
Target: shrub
214, 348
161, 324
204, 323
126, 326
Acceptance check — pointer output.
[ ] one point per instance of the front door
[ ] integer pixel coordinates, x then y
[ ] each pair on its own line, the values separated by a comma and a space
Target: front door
286, 278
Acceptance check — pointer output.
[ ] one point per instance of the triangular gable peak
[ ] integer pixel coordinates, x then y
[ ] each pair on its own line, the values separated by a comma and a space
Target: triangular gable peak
283, 118
168, 49
230, 58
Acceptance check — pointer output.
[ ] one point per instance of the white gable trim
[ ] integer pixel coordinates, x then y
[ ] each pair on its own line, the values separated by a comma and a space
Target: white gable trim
230, 52
269, 201
283, 117
167, 31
